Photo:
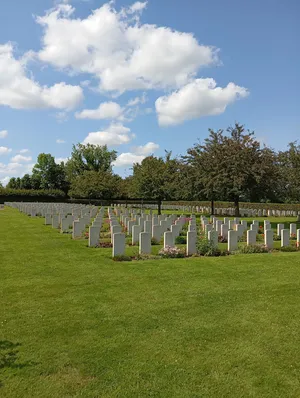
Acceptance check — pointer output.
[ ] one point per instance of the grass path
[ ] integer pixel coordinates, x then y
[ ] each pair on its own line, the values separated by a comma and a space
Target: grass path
73, 323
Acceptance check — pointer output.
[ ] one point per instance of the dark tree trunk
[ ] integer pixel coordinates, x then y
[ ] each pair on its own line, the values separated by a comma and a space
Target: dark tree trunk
212, 205
236, 206
159, 207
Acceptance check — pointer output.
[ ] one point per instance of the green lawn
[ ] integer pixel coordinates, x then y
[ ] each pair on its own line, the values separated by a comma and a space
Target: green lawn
76, 324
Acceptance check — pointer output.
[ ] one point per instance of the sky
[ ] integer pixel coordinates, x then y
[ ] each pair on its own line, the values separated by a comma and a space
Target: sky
143, 77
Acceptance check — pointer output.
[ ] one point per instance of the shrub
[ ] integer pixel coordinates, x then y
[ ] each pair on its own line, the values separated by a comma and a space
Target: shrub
207, 248
154, 242
105, 244
253, 249
122, 258
180, 240
289, 249
171, 252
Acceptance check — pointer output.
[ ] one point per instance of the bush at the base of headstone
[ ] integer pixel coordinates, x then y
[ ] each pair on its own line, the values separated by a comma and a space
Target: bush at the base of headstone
180, 240
154, 242
206, 247
122, 258
291, 248
171, 252
250, 249
105, 244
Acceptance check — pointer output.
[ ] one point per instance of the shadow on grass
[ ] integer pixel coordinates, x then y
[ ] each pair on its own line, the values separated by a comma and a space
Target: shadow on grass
9, 357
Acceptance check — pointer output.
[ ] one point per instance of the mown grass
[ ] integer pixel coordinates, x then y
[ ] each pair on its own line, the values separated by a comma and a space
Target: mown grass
76, 324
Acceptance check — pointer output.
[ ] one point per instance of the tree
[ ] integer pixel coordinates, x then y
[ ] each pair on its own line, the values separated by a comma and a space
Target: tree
153, 178
204, 161
232, 166
26, 182
289, 166
96, 185
89, 158
47, 174
12, 183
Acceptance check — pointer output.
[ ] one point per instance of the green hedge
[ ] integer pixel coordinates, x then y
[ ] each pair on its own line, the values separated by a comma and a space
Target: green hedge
51, 193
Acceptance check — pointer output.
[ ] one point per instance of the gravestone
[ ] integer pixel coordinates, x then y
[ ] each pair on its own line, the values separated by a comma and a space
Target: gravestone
269, 241
118, 244
145, 243
232, 240
285, 237
191, 243
251, 237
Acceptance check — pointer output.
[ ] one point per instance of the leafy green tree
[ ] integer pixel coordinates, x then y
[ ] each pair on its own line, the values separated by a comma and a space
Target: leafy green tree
96, 185
89, 158
153, 178
26, 182
12, 183
47, 173
289, 166
232, 166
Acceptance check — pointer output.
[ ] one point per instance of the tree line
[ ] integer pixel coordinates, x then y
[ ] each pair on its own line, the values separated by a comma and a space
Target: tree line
229, 165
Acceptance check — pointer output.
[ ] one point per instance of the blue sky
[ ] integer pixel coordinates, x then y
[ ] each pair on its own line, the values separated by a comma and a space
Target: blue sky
143, 77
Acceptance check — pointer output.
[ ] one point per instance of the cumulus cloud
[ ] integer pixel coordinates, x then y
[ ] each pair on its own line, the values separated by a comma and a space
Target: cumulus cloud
198, 98
19, 91
146, 149
3, 133
115, 134
4, 150
137, 100
59, 141
128, 159
118, 50
21, 158
14, 169
106, 110
137, 155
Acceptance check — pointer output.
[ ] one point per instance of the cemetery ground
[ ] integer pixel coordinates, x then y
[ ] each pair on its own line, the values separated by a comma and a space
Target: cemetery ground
76, 323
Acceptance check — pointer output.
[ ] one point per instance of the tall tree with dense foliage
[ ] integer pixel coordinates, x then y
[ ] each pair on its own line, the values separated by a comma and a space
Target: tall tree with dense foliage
153, 178
47, 173
289, 164
96, 185
89, 158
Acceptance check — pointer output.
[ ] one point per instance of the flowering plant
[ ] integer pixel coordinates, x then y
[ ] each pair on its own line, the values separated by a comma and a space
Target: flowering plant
171, 252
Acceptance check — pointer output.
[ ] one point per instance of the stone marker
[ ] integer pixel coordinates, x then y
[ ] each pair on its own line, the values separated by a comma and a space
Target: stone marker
168, 239
213, 237
293, 229
232, 240
224, 231
191, 243
94, 235
77, 229
251, 237
269, 242
280, 227
136, 230
285, 237
156, 232
48, 219
145, 243
55, 223
298, 238
118, 244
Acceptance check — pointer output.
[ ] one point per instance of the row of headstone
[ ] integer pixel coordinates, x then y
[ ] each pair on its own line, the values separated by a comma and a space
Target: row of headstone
226, 211
144, 227
233, 230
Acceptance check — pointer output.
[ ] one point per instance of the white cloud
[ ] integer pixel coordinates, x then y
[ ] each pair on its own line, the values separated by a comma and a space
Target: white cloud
128, 159
59, 141
14, 169
21, 92
4, 150
24, 151
115, 134
21, 158
137, 100
106, 110
199, 98
119, 51
146, 149
3, 133
5, 180
137, 7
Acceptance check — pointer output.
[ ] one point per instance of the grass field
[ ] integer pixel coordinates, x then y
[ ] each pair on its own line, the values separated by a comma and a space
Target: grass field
76, 324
